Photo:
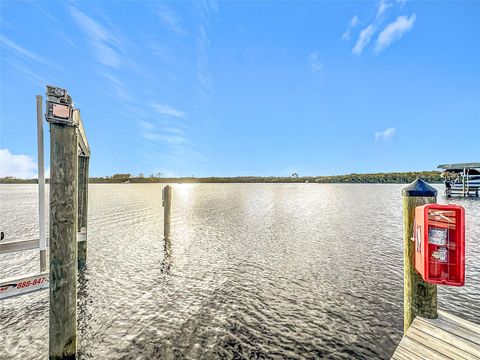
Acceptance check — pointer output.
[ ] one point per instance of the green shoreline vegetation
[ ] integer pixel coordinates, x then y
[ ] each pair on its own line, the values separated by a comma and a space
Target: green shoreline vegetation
377, 178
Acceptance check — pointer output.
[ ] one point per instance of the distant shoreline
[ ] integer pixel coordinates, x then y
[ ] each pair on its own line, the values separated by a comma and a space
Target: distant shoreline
376, 178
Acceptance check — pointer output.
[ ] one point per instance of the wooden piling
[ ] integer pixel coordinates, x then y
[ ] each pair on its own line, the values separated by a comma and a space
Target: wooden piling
420, 298
63, 241
167, 207
83, 162
63, 225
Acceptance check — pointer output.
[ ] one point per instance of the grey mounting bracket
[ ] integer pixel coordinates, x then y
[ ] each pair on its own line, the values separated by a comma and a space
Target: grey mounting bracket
59, 106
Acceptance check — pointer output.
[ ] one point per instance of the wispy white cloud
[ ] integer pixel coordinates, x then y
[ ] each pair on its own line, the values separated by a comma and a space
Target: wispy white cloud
355, 21
133, 110
104, 42
170, 131
203, 74
68, 40
161, 126
347, 34
29, 74
386, 134
394, 31
146, 125
59, 26
175, 142
382, 7
170, 21
315, 64
173, 130
205, 9
391, 32
163, 53
16, 165
150, 135
165, 109
23, 53
170, 136
118, 87
46, 14
363, 39
173, 139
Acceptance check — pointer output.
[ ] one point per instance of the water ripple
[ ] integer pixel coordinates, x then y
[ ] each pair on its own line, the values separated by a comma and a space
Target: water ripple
253, 271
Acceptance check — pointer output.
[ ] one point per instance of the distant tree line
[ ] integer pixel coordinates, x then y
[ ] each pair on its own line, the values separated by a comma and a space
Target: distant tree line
383, 178
377, 178
14, 180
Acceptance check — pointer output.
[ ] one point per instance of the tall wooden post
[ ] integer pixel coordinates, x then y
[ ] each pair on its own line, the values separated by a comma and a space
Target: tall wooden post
82, 210
167, 207
420, 298
63, 225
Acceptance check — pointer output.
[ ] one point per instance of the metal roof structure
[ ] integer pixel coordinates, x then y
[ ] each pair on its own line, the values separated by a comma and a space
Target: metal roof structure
459, 166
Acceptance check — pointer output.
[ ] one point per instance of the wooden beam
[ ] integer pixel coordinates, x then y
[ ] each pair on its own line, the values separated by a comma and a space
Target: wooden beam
82, 137
63, 241
82, 209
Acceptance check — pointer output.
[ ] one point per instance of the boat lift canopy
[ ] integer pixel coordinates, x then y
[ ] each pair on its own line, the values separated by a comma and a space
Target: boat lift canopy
462, 179
460, 167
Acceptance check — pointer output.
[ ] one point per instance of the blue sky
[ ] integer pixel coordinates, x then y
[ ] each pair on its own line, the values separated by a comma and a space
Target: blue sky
247, 88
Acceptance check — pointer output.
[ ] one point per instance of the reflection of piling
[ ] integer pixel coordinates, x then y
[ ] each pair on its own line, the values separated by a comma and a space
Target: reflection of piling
420, 298
166, 265
167, 208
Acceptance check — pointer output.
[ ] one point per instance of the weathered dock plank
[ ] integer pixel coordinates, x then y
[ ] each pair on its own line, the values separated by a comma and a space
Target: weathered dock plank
447, 337
404, 354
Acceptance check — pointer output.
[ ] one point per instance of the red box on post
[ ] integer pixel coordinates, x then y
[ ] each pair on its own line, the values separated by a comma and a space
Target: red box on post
440, 244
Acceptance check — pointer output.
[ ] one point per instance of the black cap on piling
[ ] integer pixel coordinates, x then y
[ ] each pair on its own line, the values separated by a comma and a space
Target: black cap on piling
419, 188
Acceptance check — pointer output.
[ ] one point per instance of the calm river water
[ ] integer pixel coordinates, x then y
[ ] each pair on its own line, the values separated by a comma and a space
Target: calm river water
255, 271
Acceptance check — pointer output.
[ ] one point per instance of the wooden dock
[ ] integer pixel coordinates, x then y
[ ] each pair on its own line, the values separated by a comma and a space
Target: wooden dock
447, 337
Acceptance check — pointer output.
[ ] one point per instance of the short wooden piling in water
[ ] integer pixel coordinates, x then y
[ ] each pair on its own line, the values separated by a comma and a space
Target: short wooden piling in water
420, 298
167, 208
